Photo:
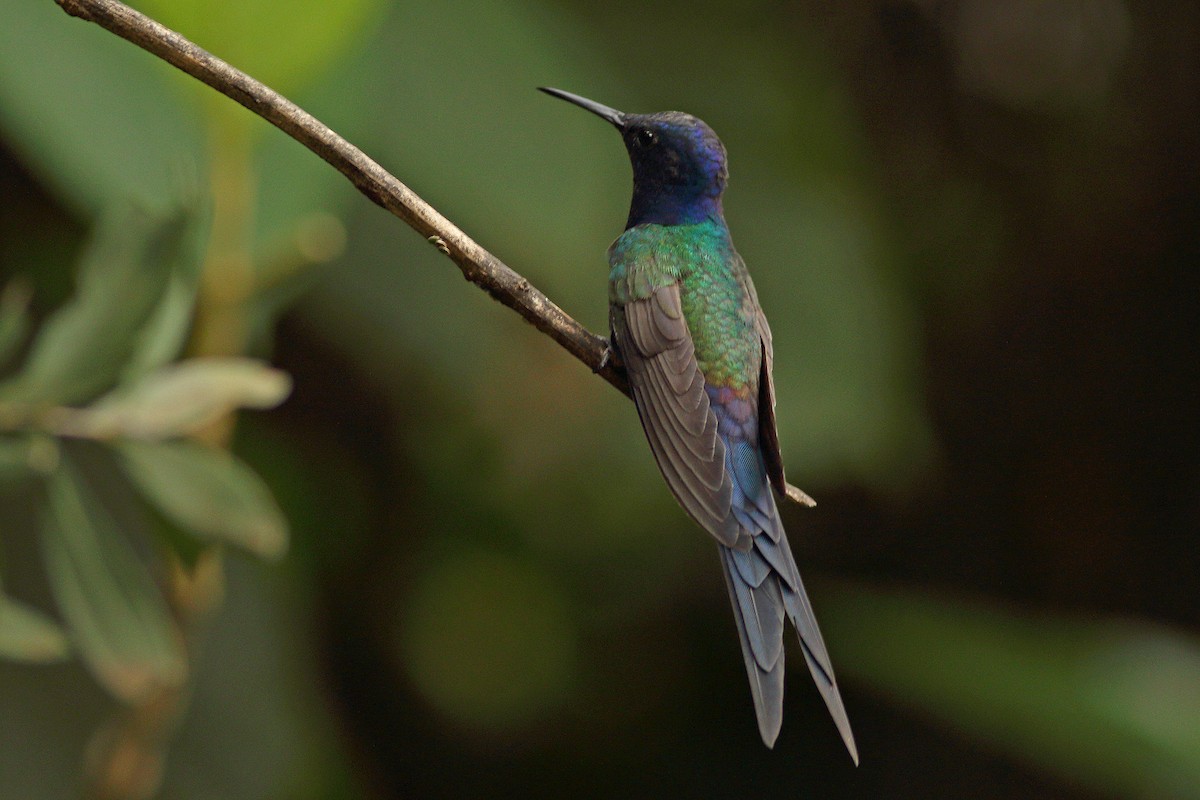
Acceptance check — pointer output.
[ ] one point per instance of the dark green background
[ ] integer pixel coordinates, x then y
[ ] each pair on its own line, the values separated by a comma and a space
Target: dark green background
975, 227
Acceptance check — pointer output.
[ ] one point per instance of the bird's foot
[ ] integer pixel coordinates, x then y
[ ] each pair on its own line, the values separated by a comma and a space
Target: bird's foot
605, 356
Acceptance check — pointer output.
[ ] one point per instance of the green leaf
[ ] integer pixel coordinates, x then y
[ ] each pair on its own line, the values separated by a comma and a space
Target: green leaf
164, 334
29, 635
208, 492
83, 347
162, 337
14, 318
116, 614
179, 399
1110, 704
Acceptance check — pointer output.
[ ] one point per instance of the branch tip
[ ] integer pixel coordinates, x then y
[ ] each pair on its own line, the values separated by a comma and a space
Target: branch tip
798, 496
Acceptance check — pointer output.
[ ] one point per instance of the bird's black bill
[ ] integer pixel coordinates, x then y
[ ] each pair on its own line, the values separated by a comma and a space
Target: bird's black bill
602, 111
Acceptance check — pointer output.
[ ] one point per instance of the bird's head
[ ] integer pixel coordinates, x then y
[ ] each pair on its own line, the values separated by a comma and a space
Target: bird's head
679, 167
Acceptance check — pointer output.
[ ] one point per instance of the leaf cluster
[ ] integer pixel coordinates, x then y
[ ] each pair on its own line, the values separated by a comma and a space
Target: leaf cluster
96, 416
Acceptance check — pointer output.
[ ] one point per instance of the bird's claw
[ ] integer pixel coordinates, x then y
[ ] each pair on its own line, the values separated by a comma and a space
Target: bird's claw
605, 356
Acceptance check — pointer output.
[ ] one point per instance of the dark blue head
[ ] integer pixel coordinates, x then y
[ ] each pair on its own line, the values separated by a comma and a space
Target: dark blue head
679, 169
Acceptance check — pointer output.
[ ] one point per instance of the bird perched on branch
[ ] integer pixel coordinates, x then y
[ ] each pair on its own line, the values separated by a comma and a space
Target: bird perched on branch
687, 324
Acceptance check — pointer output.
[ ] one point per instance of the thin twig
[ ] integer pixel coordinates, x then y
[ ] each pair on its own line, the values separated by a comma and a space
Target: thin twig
478, 265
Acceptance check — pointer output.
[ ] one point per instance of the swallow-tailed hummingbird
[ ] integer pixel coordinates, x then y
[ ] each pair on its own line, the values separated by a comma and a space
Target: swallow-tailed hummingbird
686, 322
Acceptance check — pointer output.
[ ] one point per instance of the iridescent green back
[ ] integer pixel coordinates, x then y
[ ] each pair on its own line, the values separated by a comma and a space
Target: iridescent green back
719, 310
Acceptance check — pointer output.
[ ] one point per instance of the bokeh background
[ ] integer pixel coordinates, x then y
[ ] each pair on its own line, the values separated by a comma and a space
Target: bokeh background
975, 227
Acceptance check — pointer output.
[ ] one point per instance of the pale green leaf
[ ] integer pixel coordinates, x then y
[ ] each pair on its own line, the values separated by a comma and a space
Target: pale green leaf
208, 492
179, 399
29, 635
116, 614
165, 332
82, 348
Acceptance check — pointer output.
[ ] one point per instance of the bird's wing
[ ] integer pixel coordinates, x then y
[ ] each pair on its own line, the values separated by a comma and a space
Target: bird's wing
768, 434
722, 485
668, 389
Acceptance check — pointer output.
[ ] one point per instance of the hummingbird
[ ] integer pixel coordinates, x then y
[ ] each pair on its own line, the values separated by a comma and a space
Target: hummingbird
686, 322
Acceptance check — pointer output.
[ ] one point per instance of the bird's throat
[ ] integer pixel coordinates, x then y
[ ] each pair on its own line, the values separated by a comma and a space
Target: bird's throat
659, 205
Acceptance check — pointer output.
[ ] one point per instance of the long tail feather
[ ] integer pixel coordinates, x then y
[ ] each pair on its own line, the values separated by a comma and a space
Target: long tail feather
766, 684
800, 611
758, 611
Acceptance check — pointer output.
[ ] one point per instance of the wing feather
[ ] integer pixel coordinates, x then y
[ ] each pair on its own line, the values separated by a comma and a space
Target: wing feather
768, 434
669, 391
682, 424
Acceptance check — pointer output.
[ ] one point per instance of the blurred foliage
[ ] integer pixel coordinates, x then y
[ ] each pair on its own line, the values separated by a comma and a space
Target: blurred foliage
73, 120
284, 51
28, 635
116, 614
128, 318
488, 587
1109, 704
122, 282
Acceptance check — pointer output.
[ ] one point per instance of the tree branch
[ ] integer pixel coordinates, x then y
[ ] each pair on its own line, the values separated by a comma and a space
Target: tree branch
478, 265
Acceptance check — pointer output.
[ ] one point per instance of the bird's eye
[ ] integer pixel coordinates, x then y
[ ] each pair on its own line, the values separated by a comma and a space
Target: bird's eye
645, 138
